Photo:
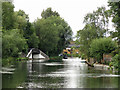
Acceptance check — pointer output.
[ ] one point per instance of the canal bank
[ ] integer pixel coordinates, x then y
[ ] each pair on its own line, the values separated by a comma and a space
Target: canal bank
104, 67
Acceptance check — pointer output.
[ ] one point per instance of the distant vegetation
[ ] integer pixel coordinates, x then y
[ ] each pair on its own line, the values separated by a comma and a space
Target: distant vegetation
51, 33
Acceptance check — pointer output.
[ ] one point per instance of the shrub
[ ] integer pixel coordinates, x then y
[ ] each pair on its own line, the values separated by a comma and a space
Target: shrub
13, 43
102, 46
115, 61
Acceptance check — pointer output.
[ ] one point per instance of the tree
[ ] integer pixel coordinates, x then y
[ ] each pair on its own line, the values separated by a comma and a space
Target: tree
21, 20
30, 35
29, 30
102, 46
26, 28
64, 33
115, 13
53, 32
84, 38
7, 15
48, 35
33, 41
48, 13
13, 43
115, 61
49, 26
100, 19
96, 26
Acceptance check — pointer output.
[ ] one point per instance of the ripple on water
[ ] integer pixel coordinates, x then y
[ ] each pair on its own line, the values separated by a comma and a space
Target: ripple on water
63, 74
7, 70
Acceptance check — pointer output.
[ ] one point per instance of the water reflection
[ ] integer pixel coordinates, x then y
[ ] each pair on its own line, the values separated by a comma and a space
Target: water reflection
75, 71
68, 74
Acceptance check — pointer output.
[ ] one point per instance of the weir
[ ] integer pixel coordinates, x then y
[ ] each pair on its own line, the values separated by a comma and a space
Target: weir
37, 54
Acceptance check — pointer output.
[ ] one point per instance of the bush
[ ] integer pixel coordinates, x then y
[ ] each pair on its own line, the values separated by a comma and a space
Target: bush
83, 56
102, 46
13, 43
115, 61
8, 61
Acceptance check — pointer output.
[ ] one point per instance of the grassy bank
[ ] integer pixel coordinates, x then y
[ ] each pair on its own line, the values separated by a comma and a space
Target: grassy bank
55, 59
12, 60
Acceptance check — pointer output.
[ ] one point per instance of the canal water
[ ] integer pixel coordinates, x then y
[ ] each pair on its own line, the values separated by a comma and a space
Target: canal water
67, 74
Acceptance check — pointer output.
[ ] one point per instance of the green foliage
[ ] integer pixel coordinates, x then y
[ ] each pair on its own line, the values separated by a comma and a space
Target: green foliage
30, 35
33, 41
7, 15
54, 34
48, 35
56, 59
48, 13
102, 46
20, 20
84, 38
22, 59
115, 61
115, 13
13, 43
83, 56
29, 30
96, 26
100, 19
7, 61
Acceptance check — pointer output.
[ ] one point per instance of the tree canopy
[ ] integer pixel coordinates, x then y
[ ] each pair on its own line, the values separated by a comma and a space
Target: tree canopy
100, 19
7, 15
53, 32
96, 26
13, 43
50, 34
48, 13
84, 38
102, 46
115, 13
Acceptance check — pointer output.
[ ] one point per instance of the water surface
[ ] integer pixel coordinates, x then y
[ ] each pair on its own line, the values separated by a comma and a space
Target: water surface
67, 74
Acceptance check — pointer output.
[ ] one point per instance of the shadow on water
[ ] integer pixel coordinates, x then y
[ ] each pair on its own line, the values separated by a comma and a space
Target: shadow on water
67, 74
15, 79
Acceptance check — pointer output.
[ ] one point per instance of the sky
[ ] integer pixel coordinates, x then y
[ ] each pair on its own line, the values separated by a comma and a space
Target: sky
72, 11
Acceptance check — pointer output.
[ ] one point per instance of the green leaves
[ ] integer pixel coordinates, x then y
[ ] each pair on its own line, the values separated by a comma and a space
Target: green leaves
84, 38
13, 43
50, 33
96, 26
20, 20
116, 61
33, 41
7, 15
48, 13
53, 32
115, 13
102, 46
100, 19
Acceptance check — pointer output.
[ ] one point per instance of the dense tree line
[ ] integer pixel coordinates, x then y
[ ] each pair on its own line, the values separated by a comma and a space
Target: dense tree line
92, 38
51, 33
